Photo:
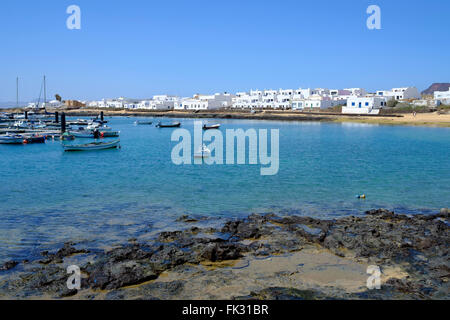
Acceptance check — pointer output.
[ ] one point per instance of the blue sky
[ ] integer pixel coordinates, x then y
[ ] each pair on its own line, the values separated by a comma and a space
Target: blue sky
140, 48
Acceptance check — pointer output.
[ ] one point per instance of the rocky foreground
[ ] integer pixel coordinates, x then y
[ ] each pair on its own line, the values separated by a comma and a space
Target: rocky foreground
260, 257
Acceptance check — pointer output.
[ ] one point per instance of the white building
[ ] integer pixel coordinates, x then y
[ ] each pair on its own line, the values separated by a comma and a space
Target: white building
52, 104
400, 93
207, 102
314, 102
160, 102
111, 103
442, 96
359, 92
364, 105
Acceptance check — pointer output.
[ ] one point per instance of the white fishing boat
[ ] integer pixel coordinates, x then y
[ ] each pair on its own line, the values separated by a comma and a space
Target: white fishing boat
20, 124
98, 126
93, 146
11, 139
82, 134
203, 152
138, 122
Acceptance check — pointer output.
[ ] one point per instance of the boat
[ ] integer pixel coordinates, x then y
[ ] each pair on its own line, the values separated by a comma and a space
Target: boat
109, 134
34, 139
168, 125
11, 139
93, 146
137, 122
67, 137
214, 126
98, 126
204, 152
82, 134
20, 125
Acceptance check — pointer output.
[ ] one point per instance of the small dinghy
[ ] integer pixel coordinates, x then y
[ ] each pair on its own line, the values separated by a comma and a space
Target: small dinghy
82, 134
214, 126
139, 123
109, 134
11, 139
34, 139
67, 137
97, 126
204, 152
93, 146
168, 125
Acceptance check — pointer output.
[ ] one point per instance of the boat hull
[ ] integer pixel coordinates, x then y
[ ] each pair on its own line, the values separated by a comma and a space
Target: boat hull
173, 125
87, 135
11, 141
109, 134
93, 146
216, 126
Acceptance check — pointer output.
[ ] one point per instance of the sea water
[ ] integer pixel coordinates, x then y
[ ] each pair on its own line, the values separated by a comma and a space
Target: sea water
106, 197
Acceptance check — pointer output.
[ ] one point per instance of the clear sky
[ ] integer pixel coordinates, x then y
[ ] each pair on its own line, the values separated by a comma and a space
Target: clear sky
140, 48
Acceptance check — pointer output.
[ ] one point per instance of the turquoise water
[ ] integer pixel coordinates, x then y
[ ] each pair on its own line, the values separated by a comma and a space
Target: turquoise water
104, 198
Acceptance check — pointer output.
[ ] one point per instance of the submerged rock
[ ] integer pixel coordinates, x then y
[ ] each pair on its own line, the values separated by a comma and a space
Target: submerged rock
8, 265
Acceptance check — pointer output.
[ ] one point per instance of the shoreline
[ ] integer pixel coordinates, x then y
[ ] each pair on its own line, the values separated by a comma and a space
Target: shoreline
258, 257
434, 119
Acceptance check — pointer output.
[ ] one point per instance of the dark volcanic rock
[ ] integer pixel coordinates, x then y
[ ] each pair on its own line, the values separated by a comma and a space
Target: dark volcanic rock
119, 274
8, 265
121, 267
67, 250
221, 251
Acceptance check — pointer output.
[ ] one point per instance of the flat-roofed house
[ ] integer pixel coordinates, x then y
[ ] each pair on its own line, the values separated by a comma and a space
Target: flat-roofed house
364, 105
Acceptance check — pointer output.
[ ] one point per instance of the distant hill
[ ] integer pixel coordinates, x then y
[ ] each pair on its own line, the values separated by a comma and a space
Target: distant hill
436, 87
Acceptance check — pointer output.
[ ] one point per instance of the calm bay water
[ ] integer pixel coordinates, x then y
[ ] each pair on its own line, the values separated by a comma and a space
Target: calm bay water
104, 198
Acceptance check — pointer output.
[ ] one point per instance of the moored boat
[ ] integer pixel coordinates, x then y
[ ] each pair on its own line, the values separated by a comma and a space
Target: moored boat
214, 126
109, 134
93, 146
137, 122
67, 137
34, 139
82, 134
168, 125
11, 139
204, 152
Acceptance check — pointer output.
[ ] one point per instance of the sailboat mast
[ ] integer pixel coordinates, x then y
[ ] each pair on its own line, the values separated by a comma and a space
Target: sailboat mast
45, 92
17, 92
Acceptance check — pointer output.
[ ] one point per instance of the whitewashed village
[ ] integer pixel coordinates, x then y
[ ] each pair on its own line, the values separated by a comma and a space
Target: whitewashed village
350, 100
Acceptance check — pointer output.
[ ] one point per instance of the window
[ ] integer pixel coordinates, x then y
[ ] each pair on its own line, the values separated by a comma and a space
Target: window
367, 104
353, 104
